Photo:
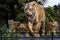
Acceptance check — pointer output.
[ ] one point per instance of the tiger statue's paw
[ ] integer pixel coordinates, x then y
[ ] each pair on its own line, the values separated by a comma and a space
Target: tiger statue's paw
36, 35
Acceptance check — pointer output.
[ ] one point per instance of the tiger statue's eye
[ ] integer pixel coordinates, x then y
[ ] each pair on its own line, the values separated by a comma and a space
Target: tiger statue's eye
26, 9
33, 4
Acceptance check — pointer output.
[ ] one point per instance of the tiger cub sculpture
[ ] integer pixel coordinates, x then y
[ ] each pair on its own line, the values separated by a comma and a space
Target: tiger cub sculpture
51, 27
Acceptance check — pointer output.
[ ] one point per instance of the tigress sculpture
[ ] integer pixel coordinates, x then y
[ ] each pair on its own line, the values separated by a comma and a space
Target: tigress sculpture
16, 26
36, 16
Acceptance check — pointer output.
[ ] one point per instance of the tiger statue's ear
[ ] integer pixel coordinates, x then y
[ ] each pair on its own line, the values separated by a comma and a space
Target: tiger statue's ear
24, 3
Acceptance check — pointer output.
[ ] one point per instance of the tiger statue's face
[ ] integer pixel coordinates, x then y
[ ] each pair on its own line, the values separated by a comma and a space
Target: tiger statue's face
29, 10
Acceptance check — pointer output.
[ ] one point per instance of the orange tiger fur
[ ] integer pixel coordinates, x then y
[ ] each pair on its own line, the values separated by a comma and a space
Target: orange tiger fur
35, 27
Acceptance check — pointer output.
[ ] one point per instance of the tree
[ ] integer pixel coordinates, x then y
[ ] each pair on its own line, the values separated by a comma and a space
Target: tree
50, 13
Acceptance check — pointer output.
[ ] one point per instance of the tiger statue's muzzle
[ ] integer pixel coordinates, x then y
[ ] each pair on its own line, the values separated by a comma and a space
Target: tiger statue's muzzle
31, 17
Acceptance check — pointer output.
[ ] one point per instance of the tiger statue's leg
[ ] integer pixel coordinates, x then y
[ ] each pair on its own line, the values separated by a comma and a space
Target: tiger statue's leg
34, 30
37, 29
30, 25
43, 26
54, 31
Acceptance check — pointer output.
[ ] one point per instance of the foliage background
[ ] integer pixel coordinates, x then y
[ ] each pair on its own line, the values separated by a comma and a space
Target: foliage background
13, 9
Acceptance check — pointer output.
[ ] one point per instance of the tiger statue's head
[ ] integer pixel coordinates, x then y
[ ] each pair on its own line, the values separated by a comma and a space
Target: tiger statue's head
29, 10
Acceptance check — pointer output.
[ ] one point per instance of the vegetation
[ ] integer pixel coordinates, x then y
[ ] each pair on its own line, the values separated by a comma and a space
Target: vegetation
13, 9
